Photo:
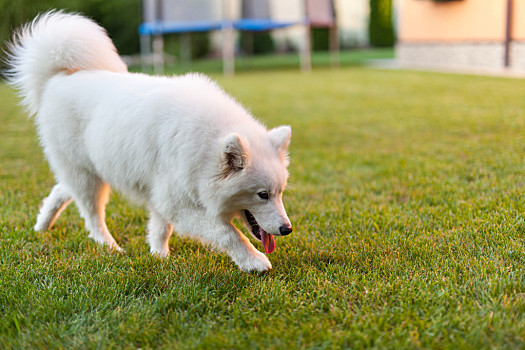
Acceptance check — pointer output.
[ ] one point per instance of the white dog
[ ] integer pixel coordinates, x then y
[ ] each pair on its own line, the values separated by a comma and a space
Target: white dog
179, 145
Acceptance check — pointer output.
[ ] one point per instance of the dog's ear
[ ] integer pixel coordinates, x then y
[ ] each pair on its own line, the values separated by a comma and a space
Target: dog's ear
234, 153
280, 138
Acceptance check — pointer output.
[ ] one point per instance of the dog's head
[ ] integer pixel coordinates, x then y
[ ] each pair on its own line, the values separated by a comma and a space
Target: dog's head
256, 173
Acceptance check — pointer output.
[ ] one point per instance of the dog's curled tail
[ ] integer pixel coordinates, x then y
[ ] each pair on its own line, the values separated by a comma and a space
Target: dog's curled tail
57, 42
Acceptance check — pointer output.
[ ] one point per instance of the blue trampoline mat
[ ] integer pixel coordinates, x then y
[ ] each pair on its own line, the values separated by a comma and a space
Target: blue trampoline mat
247, 24
158, 28
260, 24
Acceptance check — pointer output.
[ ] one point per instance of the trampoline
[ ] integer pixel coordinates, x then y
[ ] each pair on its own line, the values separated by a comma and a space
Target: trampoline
227, 16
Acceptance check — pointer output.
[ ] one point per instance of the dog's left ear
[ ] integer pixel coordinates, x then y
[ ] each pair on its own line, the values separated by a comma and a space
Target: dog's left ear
234, 153
280, 138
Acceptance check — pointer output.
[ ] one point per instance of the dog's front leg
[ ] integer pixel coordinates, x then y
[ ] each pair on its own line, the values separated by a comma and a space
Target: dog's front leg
225, 237
243, 253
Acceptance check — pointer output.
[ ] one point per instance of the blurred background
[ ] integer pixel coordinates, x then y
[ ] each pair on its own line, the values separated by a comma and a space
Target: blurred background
356, 25
206, 35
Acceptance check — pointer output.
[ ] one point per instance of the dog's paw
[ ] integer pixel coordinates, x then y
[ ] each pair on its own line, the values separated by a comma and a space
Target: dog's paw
161, 253
43, 223
114, 247
105, 241
255, 262
40, 226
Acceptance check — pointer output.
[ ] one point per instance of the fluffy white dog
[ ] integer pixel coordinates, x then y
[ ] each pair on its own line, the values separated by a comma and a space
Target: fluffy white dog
179, 145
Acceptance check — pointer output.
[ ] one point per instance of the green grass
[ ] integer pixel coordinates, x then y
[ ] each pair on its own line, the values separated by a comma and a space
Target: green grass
407, 197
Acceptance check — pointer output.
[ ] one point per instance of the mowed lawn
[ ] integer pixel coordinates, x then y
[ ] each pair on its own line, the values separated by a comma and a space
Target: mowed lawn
407, 194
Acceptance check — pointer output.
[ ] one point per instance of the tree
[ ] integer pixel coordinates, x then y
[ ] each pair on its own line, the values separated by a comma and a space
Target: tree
380, 27
120, 18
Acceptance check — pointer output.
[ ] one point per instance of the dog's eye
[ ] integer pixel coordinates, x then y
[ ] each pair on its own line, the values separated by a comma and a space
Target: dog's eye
263, 195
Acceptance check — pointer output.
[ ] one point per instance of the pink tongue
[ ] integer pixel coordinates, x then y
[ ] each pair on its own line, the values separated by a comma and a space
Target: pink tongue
267, 241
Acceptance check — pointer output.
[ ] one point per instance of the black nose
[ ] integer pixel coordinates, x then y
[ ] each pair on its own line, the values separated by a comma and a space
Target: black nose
285, 230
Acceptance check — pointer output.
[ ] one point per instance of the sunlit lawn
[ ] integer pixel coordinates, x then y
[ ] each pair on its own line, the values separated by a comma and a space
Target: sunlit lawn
407, 197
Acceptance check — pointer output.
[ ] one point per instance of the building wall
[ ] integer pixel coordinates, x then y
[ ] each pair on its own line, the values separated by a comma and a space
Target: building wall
352, 21
455, 56
518, 20
464, 35
466, 20
517, 56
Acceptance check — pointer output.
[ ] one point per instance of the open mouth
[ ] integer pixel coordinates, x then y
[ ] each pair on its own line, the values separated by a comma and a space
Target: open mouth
267, 239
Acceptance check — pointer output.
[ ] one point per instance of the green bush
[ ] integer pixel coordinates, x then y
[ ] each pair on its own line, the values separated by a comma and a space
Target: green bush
320, 39
199, 43
256, 43
121, 18
381, 29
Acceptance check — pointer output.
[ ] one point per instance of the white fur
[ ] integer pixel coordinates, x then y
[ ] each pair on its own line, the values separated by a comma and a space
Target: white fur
179, 145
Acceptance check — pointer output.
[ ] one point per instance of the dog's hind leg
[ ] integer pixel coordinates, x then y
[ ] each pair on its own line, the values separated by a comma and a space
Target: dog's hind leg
159, 233
51, 208
91, 195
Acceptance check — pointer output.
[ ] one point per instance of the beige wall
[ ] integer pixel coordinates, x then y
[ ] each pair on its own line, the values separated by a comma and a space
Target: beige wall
461, 35
518, 20
458, 21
